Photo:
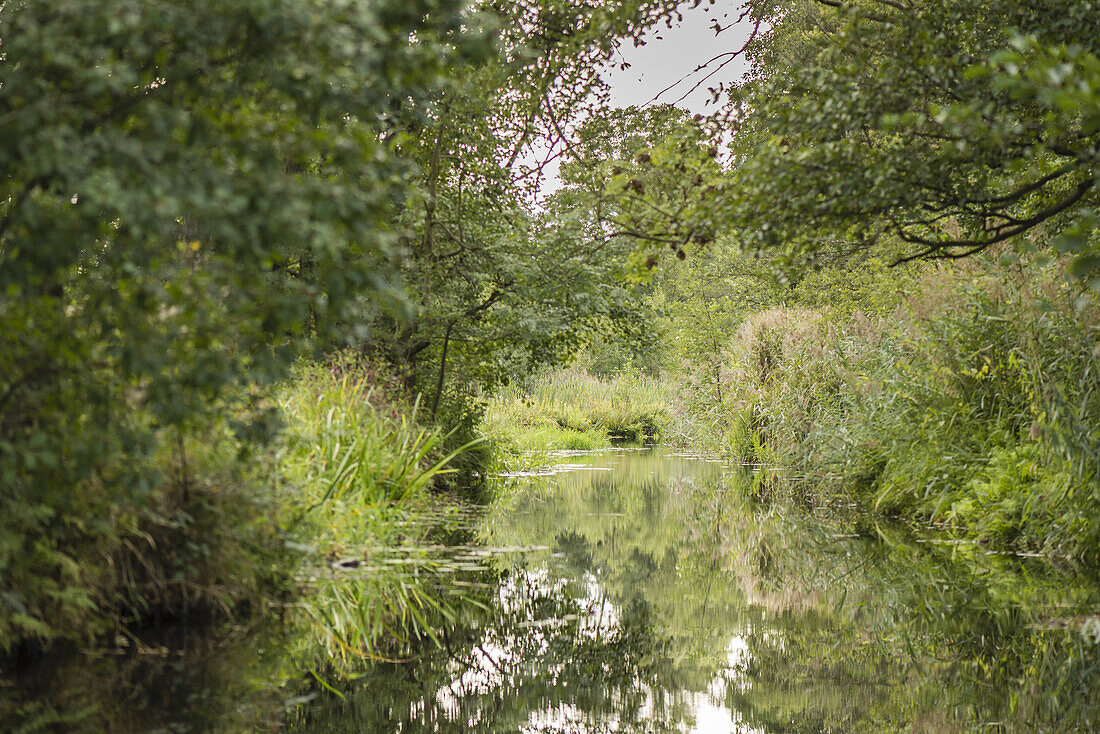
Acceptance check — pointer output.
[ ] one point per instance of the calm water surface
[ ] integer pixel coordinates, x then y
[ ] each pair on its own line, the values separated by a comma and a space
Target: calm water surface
639, 591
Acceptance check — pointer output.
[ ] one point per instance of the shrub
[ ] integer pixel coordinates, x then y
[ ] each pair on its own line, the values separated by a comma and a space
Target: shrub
974, 405
189, 536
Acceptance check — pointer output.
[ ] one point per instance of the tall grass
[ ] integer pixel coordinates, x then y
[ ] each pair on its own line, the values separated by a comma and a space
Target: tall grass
232, 526
362, 471
975, 406
571, 409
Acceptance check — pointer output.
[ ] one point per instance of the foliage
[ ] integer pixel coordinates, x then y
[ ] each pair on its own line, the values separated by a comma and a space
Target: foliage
635, 336
360, 472
573, 410
194, 196
662, 201
905, 130
973, 407
188, 192
193, 542
497, 289
869, 287
333, 527
944, 128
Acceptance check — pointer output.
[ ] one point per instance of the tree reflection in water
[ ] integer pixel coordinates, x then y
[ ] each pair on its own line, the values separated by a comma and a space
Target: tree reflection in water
669, 602
649, 596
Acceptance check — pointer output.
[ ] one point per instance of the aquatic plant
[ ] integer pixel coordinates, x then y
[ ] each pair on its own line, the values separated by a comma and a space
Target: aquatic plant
360, 472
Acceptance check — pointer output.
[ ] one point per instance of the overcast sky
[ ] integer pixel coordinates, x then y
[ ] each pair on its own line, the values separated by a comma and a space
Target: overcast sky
670, 54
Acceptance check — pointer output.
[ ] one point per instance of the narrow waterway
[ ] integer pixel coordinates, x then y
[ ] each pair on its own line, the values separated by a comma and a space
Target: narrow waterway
645, 594
640, 591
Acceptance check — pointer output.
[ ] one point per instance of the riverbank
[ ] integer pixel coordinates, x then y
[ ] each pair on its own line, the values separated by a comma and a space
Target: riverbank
571, 410
317, 537
237, 529
959, 398
238, 526
972, 406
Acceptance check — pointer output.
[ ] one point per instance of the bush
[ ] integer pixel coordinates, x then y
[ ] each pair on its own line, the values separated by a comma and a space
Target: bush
204, 531
181, 531
974, 405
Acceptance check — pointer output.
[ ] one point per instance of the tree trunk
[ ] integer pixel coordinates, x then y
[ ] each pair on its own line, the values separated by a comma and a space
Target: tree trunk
442, 369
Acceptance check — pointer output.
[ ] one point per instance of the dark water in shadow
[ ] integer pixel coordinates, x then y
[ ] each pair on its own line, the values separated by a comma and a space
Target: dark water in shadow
639, 591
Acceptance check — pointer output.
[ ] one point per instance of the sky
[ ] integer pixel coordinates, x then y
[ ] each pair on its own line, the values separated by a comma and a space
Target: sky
669, 59
671, 54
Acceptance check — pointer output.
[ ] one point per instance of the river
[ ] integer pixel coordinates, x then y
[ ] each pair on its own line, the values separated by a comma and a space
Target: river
641, 591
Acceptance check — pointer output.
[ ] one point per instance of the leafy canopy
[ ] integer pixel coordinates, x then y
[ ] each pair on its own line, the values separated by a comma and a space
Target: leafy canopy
935, 129
189, 191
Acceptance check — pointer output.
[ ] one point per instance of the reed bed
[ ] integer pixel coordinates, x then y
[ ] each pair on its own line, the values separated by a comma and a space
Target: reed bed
974, 407
572, 410
362, 471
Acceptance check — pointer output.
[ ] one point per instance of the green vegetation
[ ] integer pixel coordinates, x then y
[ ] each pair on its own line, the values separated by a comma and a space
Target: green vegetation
190, 537
352, 470
922, 129
572, 410
280, 294
359, 472
329, 527
973, 405
181, 208
872, 133
194, 199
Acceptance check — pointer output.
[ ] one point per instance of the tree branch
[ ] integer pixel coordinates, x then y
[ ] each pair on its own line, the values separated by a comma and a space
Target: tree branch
938, 248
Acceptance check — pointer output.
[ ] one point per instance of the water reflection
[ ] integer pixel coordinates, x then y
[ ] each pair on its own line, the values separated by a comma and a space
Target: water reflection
641, 592
665, 602
184, 682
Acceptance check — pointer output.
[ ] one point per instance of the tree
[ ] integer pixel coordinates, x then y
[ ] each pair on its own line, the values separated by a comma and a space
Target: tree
497, 287
190, 192
932, 130
945, 127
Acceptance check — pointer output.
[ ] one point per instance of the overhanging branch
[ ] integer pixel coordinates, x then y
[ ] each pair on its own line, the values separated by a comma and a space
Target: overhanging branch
942, 248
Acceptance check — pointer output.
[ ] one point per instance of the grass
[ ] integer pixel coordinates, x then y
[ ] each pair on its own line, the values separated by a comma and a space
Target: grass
362, 471
972, 407
572, 410
229, 528
326, 535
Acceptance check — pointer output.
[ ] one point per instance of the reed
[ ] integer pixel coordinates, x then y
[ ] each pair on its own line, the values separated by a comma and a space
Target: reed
973, 407
362, 470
